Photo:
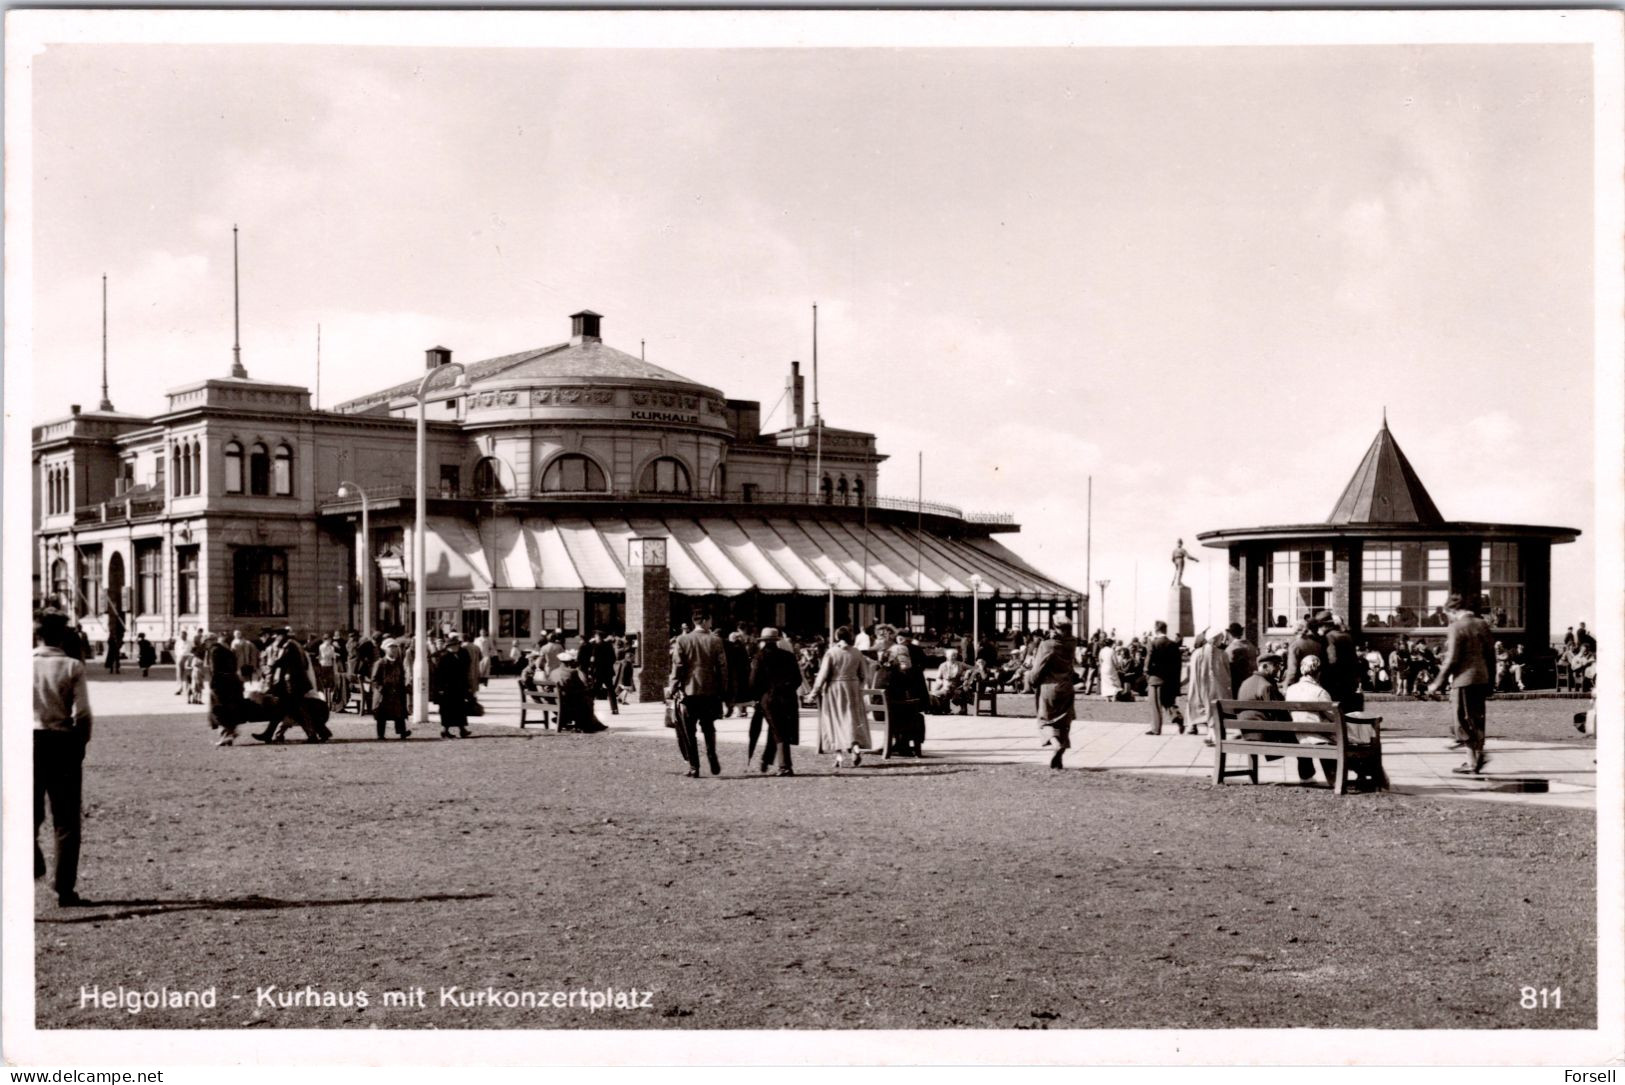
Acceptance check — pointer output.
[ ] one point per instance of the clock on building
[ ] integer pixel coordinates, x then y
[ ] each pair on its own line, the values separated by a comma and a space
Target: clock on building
649, 552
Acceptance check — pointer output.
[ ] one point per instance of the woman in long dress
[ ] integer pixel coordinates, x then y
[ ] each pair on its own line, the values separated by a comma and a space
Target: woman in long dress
843, 721
1111, 684
1210, 679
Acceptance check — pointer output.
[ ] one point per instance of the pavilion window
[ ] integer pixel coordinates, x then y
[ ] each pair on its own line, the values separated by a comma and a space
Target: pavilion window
1299, 582
666, 476
186, 593
1501, 575
260, 582
573, 473
259, 472
282, 471
234, 468
149, 564
1404, 585
488, 478
90, 581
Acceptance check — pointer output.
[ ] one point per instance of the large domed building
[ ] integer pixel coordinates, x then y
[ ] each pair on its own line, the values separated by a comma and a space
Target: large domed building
239, 506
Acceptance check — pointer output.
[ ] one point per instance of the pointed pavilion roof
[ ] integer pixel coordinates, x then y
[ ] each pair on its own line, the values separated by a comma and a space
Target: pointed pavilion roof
1385, 489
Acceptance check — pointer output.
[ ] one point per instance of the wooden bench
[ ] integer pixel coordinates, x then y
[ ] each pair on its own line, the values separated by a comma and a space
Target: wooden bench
544, 700
987, 693
874, 703
1363, 759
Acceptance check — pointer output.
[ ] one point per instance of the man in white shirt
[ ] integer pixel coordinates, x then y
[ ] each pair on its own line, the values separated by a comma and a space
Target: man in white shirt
61, 733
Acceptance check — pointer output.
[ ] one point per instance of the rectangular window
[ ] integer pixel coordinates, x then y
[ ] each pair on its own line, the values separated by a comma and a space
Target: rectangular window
158, 471
550, 620
90, 581
1405, 585
1502, 576
149, 565
513, 623
475, 622
748, 491
1299, 582
260, 582
450, 476
186, 594
571, 622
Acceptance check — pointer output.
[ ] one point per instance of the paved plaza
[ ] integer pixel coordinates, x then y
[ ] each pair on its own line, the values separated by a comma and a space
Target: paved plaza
1417, 765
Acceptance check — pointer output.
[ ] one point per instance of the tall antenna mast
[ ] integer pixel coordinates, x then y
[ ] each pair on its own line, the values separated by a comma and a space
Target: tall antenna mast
818, 419
106, 404
237, 369
1088, 547
318, 367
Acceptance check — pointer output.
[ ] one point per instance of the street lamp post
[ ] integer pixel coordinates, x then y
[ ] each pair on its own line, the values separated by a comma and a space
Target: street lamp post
420, 638
363, 560
1101, 584
975, 614
830, 580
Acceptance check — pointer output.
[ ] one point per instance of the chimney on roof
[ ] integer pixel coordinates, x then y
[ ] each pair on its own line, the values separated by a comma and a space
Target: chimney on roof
435, 357
795, 390
75, 410
584, 327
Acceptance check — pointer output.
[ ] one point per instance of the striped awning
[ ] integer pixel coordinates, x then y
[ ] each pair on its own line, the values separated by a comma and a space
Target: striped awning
726, 555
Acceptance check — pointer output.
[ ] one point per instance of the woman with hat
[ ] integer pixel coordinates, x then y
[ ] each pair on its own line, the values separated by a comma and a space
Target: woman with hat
843, 721
389, 690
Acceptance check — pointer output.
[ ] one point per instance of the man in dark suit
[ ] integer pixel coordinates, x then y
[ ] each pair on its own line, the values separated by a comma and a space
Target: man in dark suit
700, 672
1469, 664
1162, 669
774, 678
1341, 673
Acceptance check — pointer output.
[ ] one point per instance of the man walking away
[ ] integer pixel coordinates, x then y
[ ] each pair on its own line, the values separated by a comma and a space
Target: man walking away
700, 671
1162, 667
1052, 676
1469, 665
774, 679
61, 733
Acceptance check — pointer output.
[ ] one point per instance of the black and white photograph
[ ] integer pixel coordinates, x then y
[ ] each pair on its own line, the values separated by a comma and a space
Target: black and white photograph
775, 537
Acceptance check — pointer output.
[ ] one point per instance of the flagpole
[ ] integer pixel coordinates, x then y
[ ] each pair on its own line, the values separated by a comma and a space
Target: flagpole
106, 403
818, 419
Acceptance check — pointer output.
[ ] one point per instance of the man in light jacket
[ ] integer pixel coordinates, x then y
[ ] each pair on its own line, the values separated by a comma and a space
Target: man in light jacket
700, 672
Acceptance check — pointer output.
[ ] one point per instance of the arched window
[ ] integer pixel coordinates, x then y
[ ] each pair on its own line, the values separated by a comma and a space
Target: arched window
282, 477
197, 467
840, 489
665, 476
175, 481
234, 468
185, 453
259, 470
488, 478
61, 589
573, 473
857, 491
827, 488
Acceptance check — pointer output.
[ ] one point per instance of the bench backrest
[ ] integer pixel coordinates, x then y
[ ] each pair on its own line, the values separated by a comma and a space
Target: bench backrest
1329, 719
874, 700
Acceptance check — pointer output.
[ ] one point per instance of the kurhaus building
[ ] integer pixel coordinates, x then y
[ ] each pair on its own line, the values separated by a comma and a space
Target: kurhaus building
239, 506
1387, 561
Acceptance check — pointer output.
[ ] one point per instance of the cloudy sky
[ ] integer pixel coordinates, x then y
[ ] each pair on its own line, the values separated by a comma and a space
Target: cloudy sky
1196, 274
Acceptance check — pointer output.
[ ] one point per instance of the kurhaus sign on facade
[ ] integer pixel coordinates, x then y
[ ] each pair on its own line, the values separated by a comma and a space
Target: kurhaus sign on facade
224, 511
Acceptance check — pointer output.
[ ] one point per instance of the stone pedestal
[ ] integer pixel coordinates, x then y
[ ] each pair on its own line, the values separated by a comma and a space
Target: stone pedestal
648, 614
1181, 617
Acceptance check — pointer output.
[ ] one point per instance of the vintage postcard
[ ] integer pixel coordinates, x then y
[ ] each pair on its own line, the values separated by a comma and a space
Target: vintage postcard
776, 537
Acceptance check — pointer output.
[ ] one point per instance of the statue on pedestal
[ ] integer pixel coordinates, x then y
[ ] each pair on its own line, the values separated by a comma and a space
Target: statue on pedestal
1179, 557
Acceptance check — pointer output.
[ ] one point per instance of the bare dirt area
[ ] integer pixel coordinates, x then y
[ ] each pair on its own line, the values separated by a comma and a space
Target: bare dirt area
890, 896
